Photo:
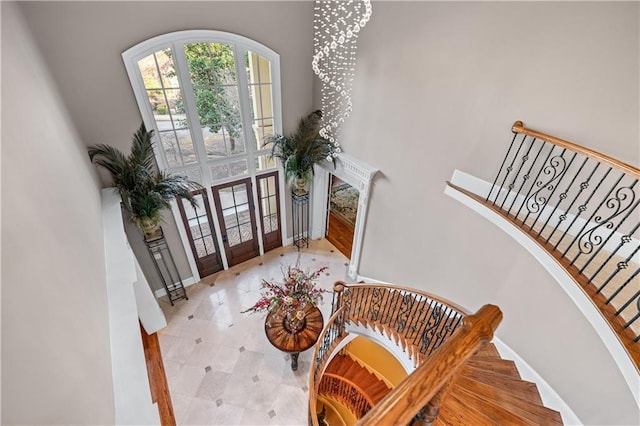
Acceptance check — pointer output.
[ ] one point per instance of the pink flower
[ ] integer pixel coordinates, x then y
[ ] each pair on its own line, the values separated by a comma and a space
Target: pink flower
297, 290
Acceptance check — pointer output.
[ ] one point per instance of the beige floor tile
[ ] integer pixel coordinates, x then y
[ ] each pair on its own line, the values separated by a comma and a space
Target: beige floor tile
213, 385
227, 414
188, 380
181, 405
290, 406
181, 350
202, 355
252, 417
201, 412
220, 366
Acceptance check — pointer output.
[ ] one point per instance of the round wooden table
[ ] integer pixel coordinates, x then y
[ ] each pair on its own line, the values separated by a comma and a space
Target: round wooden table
282, 337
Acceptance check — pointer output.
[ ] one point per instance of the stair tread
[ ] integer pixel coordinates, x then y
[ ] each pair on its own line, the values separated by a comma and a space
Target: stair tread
455, 413
345, 367
526, 409
497, 365
488, 391
488, 350
520, 392
500, 381
493, 411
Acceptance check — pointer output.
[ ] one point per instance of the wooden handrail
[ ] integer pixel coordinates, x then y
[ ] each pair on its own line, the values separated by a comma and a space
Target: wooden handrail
518, 127
361, 391
417, 390
625, 335
347, 294
408, 290
347, 393
314, 382
401, 314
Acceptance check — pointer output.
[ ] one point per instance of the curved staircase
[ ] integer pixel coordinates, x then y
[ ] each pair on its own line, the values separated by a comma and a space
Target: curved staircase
580, 207
489, 391
459, 377
343, 366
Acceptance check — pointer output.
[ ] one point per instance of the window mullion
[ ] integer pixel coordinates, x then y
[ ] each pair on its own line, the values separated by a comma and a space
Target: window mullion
245, 107
191, 110
276, 96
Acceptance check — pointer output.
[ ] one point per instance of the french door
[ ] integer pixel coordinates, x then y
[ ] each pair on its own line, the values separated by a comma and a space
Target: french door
198, 223
236, 215
269, 202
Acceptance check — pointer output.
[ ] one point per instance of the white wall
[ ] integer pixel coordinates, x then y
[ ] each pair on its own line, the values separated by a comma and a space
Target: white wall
56, 364
439, 85
82, 43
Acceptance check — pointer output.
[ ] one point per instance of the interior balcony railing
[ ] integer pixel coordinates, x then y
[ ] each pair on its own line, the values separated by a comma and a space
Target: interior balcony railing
417, 322
347, 393
581, 206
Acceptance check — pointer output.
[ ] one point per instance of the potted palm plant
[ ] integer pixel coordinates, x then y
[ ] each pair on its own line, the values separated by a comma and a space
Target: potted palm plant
145, 190
299, 151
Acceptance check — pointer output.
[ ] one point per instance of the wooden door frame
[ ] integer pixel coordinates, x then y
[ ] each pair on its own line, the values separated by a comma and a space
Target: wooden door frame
220, 215
212, 230
275, 174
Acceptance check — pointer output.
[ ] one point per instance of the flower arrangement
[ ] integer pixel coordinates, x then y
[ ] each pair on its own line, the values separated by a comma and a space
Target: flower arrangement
292, 296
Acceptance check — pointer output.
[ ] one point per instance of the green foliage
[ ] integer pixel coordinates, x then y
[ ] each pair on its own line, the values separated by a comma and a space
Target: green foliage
212, 71
302, 149
161, 108
145, 191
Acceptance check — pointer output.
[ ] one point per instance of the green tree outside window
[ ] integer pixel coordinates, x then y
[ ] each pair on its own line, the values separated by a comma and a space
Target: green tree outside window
213, 74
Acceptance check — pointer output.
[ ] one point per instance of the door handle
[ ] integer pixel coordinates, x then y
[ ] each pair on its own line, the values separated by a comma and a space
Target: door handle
224, 238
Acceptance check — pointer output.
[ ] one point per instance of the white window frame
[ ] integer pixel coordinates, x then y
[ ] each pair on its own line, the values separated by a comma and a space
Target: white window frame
240, 46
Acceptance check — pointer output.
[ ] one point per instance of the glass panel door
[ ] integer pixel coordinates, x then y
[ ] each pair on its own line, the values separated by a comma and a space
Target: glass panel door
269, 201
199, 225
235, 209
343, 209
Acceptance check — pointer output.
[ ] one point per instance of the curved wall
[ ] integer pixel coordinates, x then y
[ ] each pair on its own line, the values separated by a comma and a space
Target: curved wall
438, 86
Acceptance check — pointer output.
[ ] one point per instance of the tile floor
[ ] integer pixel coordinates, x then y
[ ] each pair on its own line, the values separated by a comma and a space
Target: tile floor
220, 367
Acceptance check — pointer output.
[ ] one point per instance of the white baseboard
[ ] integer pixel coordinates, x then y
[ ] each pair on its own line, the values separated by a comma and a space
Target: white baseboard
550, 397
162, 292
370, 280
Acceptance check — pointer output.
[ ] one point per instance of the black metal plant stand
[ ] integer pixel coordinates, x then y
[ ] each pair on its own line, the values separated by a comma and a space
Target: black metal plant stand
166, 268
300, 209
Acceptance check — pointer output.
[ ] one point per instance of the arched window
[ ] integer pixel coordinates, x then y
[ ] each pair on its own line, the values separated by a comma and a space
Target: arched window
211, 97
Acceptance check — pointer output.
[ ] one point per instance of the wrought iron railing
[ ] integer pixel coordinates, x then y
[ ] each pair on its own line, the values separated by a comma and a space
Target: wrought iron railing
350, 394
416, 321
583, 208
418, 398
332, 334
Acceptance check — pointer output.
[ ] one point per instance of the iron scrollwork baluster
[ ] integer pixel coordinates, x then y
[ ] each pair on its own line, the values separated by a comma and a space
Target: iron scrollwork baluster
429, 331
589, 239
375, 305
557, 165
403, 315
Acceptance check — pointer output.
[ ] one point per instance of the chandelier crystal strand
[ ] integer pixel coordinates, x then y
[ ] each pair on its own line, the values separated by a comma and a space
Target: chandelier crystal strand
336, 28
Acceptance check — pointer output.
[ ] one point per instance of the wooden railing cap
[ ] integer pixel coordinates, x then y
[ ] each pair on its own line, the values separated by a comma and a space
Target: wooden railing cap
486, 319
518, 127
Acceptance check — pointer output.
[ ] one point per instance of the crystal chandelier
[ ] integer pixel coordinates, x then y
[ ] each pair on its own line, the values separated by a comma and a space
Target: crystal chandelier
336, 28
